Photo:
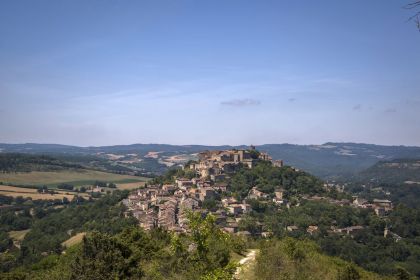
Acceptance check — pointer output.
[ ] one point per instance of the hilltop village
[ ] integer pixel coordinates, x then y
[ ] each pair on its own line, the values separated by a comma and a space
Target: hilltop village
167, 205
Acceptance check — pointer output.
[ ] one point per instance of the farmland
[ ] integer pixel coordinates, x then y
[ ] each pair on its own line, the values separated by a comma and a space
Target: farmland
75, 177
33, 193
130, 186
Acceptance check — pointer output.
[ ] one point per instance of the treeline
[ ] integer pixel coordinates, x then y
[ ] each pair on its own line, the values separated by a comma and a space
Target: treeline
15, 162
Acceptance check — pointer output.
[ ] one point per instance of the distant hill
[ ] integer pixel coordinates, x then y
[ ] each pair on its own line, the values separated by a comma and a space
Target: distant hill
397, 171
397, 179
327, 161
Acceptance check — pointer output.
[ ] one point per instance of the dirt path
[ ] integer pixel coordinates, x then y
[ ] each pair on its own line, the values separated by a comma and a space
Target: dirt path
244, 271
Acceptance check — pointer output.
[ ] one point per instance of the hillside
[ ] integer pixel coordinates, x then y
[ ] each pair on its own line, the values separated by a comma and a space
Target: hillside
292, 259
398, 180
398, 171
327, 161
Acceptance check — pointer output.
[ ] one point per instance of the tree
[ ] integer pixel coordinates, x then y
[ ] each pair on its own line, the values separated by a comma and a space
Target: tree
5, 241
66, 186
212, 245
112, 186
103, 257
416, 17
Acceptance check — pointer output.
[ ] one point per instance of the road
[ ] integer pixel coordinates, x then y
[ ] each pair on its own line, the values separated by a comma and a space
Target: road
245, 263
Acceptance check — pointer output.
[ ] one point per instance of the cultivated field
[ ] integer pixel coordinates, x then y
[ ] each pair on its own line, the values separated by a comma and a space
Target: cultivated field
130, 186
74, 177
33, 193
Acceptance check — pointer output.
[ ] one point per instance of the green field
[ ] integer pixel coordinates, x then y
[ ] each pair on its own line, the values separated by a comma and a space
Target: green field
75, 177
18, 235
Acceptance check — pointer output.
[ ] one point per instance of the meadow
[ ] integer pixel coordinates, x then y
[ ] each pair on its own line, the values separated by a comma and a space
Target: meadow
73, 177
33, 193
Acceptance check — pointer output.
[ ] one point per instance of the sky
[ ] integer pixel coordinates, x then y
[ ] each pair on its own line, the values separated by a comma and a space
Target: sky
209, 72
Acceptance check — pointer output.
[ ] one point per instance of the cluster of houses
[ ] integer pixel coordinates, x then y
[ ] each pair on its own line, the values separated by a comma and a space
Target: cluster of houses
216, 164
381, 206
167, 206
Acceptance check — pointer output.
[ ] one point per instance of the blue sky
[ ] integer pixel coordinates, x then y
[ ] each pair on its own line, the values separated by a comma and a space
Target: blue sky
209, 72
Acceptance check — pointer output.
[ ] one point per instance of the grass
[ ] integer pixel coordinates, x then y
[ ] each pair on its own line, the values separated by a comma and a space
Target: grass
74, 177
73, 240
33, 193
18, 235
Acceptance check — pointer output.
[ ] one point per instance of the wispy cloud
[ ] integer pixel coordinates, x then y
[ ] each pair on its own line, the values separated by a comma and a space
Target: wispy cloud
357, 107
241, 102
390, 110
292, 99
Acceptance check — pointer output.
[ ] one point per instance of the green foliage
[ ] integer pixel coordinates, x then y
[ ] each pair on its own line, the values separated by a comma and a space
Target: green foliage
5, 241
50, 228
171, 174
104, 257
267, 177
210, 204
136, 254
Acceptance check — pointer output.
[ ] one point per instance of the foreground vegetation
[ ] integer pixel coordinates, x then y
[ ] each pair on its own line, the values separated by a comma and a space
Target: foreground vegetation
135, 254
292, 259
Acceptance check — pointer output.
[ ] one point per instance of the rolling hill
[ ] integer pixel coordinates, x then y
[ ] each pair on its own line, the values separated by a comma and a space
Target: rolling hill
329, 160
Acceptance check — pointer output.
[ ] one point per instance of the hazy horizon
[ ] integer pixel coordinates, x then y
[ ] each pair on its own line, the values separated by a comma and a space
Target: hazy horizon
200, 144
94, 73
